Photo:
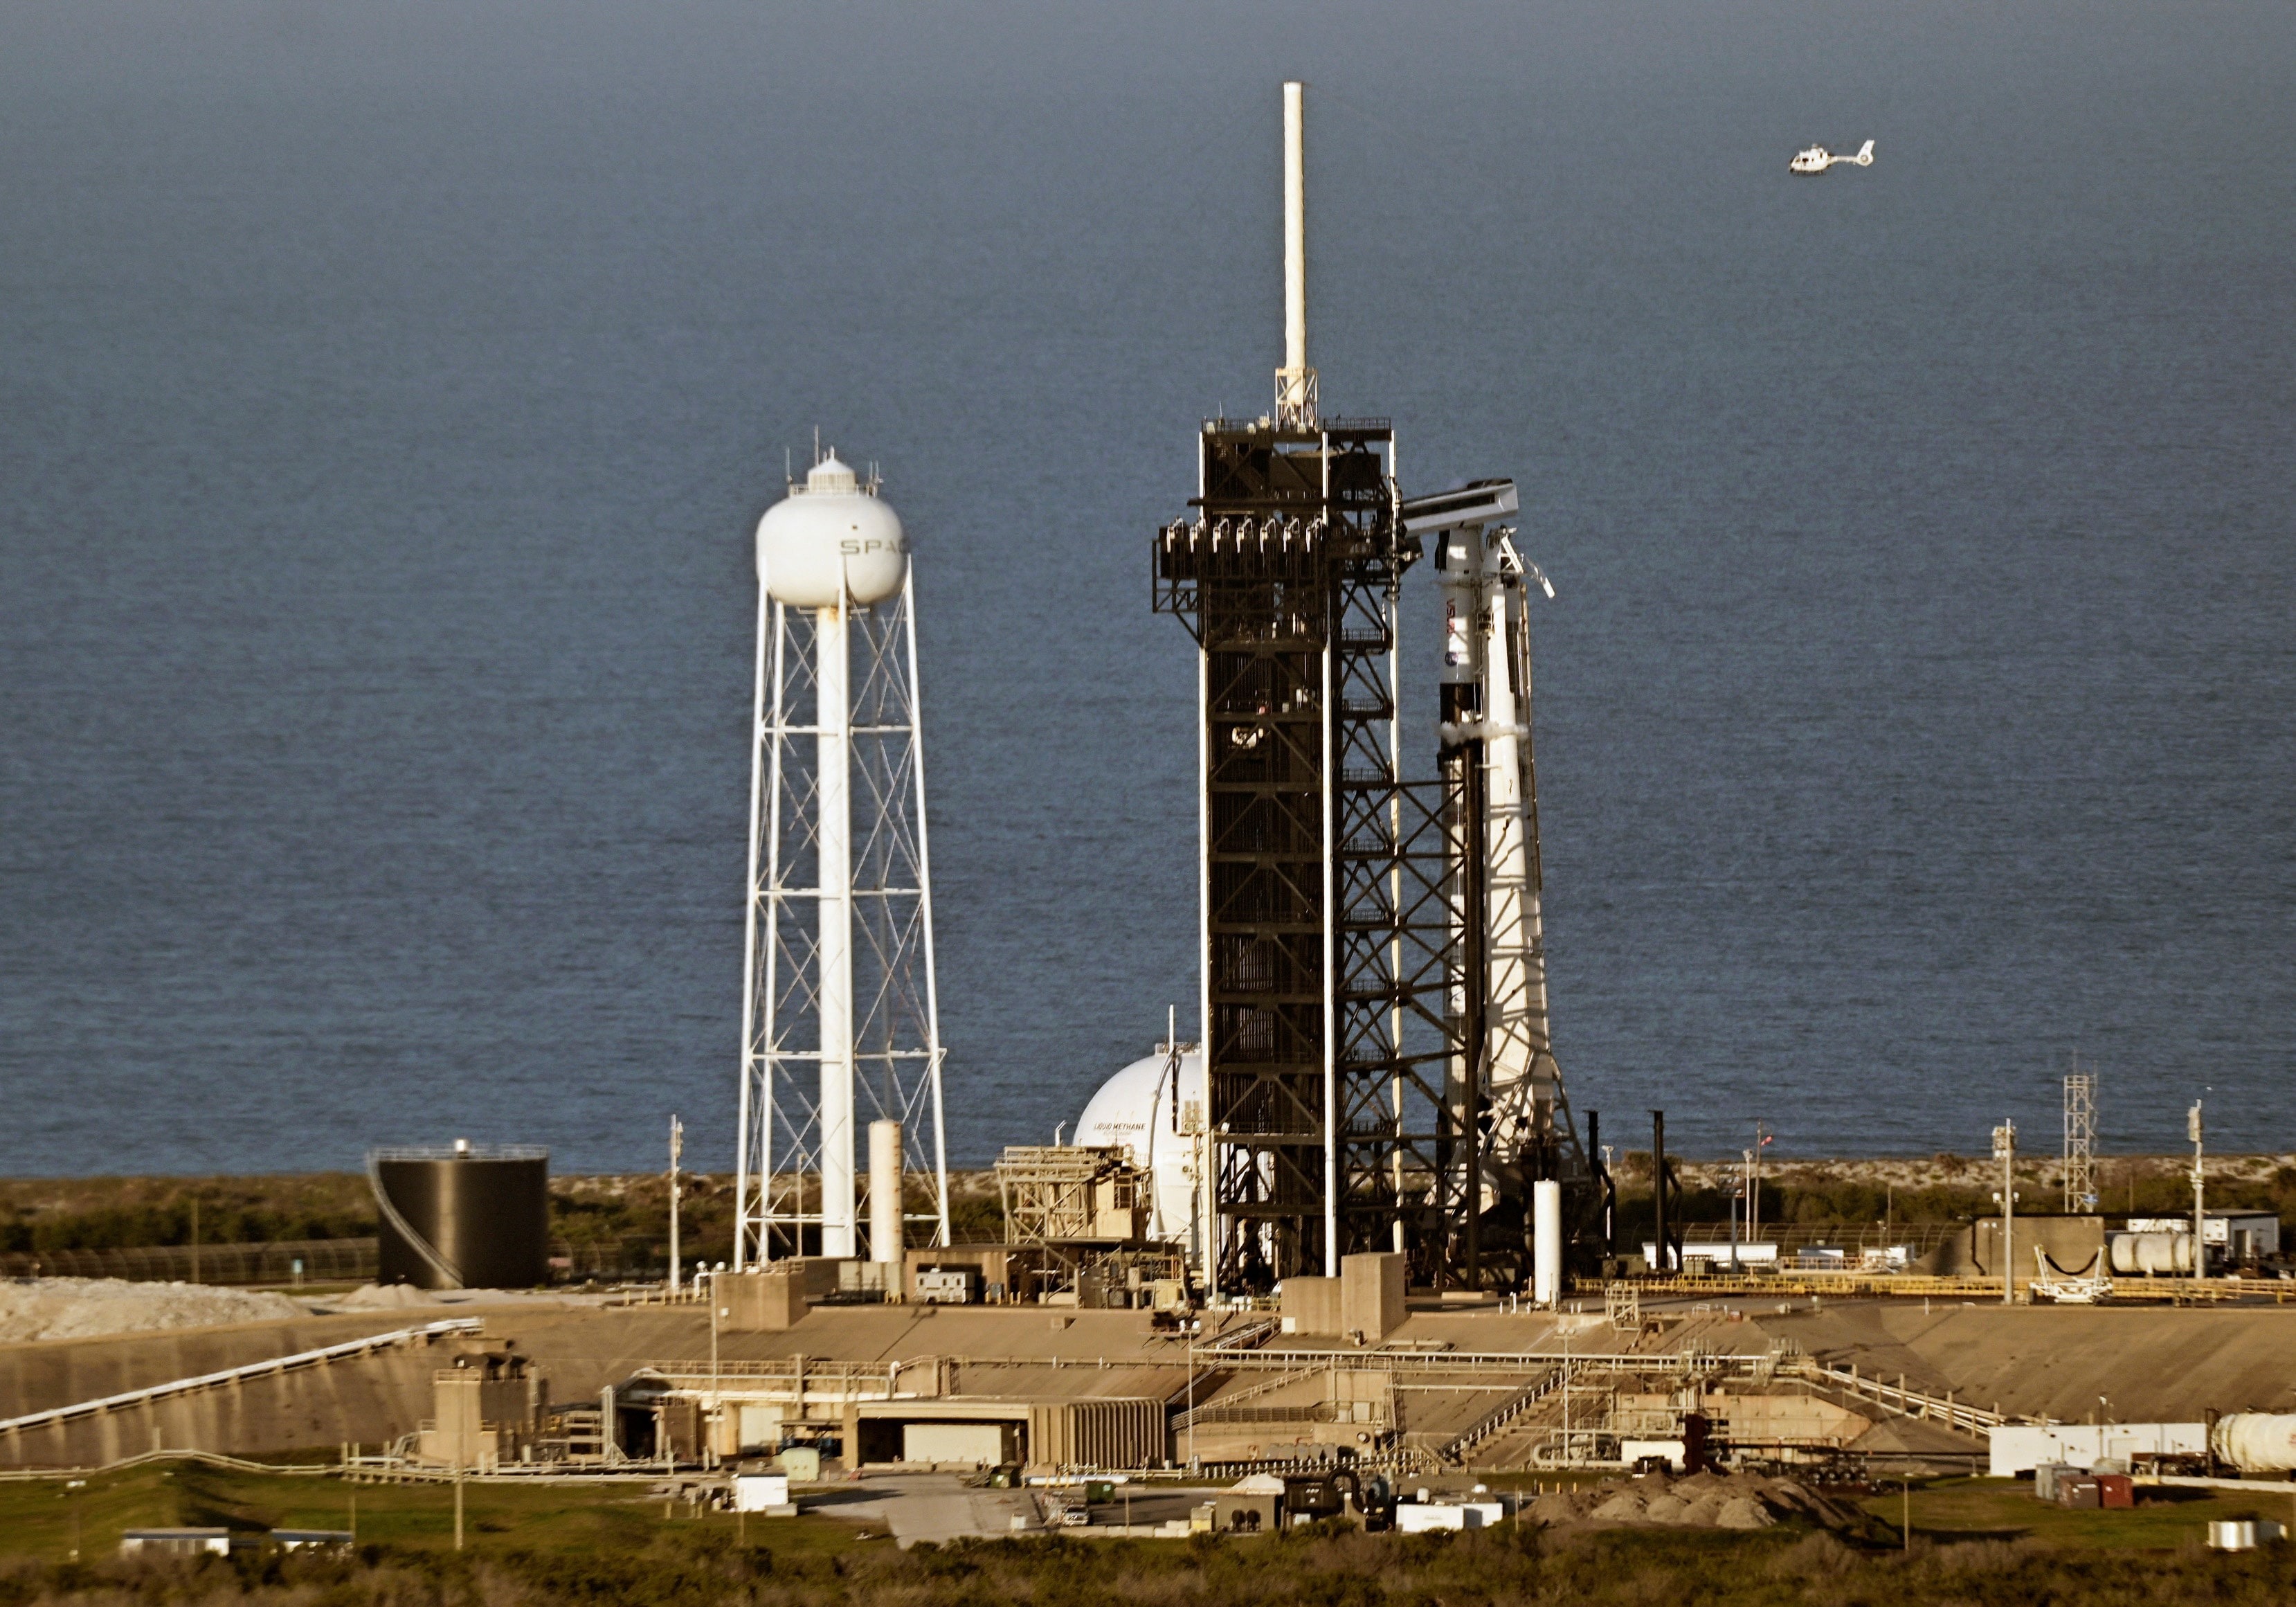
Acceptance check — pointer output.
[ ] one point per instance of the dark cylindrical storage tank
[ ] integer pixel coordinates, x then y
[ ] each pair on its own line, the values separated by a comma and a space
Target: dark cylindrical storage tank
464, 1215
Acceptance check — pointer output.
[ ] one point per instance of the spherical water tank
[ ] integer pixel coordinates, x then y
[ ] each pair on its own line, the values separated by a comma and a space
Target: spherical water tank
463, 1217
1140, 1109
832, 540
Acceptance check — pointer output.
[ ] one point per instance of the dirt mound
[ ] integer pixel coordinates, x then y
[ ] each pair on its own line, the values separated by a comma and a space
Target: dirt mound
384, 1297
47, 1309
1701, 1501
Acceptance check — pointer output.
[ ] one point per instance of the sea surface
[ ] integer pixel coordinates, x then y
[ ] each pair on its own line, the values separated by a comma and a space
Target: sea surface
387, 394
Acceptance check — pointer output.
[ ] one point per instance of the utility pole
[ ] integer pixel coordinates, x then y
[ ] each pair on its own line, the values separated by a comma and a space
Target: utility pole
1195, 1322
676, 1149
1746, 1189
1566, 1393
1658, 1194
2199, 1200
1762, 1137
2004, 1150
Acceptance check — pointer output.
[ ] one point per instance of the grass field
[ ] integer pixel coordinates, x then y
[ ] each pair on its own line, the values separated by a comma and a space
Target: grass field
2004, 1508
1976, 1541
1948, 1511
37, 1517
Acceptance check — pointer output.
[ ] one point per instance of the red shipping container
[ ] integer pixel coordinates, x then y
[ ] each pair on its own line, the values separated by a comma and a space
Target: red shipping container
2115, 1489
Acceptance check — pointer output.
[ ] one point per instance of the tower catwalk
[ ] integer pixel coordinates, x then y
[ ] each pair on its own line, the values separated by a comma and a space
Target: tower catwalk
841, 1025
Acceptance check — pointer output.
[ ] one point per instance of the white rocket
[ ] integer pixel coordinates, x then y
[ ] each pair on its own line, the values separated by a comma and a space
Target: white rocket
1484, 581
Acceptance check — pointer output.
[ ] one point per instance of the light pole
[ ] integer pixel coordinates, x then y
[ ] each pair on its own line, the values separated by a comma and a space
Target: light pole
1566, 1395
1195, 1324
1762, 1138
676, 1149
2199, 1204
2004, 1150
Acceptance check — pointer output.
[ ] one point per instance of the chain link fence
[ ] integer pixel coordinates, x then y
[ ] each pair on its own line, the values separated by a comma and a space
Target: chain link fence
630, 1259
313, 1260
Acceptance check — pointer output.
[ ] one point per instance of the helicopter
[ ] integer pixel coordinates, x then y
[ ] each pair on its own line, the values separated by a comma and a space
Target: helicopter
1817, 159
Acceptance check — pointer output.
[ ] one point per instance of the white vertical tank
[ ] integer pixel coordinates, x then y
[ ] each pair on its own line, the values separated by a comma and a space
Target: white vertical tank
885, 1192
1547, 1243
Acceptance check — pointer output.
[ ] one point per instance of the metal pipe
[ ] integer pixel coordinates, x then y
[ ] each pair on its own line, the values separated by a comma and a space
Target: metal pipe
833, 846
767, 612
925, 906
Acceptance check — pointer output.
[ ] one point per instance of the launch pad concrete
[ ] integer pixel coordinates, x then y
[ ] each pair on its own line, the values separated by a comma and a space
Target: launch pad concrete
1454, 1385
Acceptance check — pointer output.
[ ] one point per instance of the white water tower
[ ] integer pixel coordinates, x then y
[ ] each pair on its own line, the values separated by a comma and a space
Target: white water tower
840, 1028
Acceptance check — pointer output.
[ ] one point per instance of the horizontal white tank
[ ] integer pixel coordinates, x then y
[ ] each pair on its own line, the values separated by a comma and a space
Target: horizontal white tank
2156, 1254
1141, 1109
832, 540
2256, 1442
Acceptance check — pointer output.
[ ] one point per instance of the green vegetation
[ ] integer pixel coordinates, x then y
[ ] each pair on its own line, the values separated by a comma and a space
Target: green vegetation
1975, 1541
620, 1220
630, 1214
2004, 1508
37, 1517
38, 1215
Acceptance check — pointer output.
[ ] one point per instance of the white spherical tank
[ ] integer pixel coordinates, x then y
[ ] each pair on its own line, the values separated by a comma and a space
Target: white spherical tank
832, 540
1139, 1108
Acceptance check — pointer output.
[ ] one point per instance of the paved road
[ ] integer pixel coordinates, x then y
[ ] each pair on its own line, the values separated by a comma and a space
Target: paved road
927, 1506
939, 1506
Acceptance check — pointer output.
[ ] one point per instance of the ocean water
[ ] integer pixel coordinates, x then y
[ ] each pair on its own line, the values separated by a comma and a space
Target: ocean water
387, 394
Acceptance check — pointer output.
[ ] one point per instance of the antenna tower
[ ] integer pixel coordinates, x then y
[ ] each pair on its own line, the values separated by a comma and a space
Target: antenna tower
2080, 1142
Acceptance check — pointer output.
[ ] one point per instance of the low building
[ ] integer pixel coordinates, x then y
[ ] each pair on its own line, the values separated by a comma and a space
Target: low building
176, 1542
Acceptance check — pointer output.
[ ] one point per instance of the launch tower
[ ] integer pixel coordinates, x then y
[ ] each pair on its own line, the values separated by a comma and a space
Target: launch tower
1372, 983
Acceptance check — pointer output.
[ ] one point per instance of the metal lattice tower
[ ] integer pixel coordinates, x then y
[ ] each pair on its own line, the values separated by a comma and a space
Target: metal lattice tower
1373, 1004
841, 1027
2080, 1143
1323, 923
